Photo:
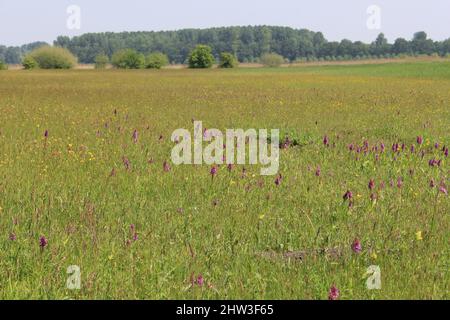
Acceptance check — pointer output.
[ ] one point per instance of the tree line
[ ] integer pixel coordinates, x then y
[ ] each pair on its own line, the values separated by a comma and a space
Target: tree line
247, 43
14, 55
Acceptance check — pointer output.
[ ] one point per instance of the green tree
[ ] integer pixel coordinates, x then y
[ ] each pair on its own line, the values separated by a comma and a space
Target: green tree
156, 60
345, 47
271, 60
420, 36
101, 61
329, 49
128, 59
201, 57
401, 46
359, 49
421, 45
380, 46
29, 63
318, 40
53, 58
247, 43
445, 48
227, 60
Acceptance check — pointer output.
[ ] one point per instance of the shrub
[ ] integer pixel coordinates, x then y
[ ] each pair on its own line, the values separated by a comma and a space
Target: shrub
271, 60
128, 59
228, 60
201, 57
156, 60
48, 57
3, 66
29, 63
101, 61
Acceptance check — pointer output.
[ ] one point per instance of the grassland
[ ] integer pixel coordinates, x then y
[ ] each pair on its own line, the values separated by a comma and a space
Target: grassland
104, 202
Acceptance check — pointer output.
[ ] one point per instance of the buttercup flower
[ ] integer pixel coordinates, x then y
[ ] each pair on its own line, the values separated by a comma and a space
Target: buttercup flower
419, 236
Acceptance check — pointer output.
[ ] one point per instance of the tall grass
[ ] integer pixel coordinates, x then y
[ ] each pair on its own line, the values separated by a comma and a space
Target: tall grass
74, 174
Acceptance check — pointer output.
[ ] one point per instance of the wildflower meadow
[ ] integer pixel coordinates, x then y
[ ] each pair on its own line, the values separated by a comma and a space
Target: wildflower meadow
92, 206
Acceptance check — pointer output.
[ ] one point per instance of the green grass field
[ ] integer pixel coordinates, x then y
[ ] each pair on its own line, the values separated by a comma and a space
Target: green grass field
144, 233
424, 70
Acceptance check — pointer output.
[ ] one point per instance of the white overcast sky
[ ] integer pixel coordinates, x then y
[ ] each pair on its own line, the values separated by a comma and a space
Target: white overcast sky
24, 21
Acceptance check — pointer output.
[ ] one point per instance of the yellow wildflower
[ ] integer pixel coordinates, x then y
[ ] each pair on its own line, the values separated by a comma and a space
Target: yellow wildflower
419, 236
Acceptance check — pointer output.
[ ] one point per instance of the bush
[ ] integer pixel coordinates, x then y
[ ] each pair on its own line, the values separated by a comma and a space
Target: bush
228, 60
101, 61
201, 57
53, 58
29, 63
156, 60
128, 59
3, 66
272, 60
